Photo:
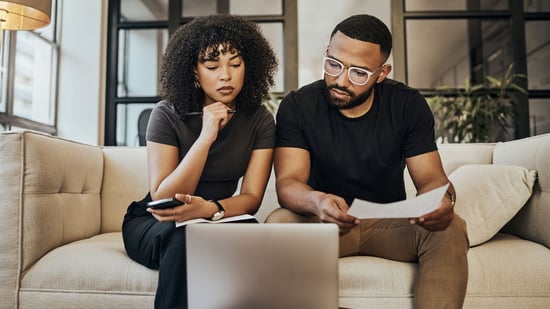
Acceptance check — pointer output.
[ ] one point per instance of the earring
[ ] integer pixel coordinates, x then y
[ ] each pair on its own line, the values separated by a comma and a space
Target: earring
196, 84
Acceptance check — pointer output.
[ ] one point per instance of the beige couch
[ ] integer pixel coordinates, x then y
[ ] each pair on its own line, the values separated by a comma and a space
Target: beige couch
62, 205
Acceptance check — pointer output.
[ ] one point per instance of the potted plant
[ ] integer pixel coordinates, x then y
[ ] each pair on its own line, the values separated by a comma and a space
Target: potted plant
476, 113
272, 103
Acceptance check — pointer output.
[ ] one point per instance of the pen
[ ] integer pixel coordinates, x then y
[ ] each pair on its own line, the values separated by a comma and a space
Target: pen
229, 111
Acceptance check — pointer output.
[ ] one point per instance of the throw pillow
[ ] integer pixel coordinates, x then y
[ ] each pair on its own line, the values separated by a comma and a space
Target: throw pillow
488, 196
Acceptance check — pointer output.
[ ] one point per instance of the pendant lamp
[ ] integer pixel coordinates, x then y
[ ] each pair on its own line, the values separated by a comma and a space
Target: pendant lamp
24, 14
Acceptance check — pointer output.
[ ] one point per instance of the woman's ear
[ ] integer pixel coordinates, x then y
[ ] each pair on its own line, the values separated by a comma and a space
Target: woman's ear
196, 82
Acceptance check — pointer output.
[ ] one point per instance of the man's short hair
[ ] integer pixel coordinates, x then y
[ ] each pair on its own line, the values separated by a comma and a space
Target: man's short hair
366, 28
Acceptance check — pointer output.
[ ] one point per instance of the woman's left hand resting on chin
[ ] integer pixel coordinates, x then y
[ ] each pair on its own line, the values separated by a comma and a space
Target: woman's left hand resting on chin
193, 207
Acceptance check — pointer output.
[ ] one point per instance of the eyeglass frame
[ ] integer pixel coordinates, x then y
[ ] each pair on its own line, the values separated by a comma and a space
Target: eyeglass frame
369, 73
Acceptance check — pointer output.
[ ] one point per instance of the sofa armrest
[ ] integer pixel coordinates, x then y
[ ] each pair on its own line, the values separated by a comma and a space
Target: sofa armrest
50, 196
533, 220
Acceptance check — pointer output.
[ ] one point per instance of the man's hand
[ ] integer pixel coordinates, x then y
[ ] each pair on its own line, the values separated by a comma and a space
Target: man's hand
427, 173
333, 209
437, 220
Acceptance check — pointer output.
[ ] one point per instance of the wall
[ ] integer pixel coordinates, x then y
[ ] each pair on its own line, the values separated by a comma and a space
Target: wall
316, 19
82, 71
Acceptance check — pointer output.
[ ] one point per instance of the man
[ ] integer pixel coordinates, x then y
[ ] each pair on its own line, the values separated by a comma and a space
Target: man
350, 136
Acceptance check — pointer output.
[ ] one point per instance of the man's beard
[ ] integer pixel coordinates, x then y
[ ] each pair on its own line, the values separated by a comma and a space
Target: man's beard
353, 101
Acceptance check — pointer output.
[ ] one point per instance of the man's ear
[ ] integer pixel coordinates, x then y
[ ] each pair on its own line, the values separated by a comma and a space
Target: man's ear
384, 72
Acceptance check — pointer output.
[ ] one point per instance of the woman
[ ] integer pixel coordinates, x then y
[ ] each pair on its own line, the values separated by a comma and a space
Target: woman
209, 130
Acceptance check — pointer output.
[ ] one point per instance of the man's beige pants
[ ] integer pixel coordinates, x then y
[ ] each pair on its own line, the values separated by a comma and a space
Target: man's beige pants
441, 256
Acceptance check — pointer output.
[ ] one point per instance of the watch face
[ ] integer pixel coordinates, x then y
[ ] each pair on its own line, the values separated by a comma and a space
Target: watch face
218, 215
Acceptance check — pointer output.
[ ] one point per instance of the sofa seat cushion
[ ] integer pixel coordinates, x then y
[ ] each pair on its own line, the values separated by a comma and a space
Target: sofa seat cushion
508, 266
94, 265
372, 282
506, 271
370, 276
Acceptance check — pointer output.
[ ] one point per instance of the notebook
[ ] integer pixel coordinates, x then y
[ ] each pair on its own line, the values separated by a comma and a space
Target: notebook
268, 266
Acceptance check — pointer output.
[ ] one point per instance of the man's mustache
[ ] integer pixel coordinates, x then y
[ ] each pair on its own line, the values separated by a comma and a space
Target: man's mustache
344, 89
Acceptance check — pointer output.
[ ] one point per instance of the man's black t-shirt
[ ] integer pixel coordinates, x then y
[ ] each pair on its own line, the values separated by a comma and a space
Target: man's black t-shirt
360, 157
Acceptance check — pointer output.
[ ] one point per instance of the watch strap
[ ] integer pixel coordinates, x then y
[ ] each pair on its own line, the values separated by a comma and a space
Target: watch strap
220, 207
452, 198
218, 214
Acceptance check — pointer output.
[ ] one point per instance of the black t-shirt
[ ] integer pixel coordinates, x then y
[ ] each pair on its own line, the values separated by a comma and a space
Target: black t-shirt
229, 154
358, 157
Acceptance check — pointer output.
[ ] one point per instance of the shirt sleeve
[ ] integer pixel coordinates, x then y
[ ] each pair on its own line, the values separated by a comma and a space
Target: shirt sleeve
161, 127
420, 134
289, 129
265, 134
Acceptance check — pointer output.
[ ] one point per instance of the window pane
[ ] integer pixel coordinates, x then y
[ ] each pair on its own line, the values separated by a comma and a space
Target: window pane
274, 34
48, 31
469, 48
260, 7
430, 62
537, 39
140, 54
496, 47
539, 114
192, 8
33, 78
536, 6
4, 40
454, 5
143, 10
2, 127
127, 123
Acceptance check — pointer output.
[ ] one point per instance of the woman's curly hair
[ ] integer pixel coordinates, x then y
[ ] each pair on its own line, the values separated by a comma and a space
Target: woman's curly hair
193, 41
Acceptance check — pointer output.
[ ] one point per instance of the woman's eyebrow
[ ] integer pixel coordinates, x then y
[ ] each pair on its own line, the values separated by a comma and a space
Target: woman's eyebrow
215, 59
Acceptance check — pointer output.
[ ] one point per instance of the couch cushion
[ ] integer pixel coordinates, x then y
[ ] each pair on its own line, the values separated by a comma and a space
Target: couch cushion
508, 272
380, 281
98, 269
488, 196
532, 221
505, 272
454, 155
125, 179
95, 265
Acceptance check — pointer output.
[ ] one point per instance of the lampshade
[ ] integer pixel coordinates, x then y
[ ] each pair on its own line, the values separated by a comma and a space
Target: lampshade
24, 14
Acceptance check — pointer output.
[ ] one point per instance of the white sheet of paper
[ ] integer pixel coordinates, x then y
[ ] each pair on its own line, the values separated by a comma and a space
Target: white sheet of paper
410, 208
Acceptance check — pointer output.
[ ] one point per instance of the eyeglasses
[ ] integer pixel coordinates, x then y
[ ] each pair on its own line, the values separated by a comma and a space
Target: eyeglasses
357, 76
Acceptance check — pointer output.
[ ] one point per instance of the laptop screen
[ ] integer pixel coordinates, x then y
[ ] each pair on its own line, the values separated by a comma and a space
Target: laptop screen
278, 265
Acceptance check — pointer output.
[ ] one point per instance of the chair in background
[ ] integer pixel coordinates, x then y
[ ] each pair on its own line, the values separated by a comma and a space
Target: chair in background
143, 119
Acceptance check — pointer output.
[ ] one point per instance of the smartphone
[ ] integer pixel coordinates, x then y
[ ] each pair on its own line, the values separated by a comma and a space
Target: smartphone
165, 203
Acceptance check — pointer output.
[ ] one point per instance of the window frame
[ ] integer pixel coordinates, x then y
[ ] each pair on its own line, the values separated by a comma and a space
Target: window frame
8, 120
288, 18
517, 17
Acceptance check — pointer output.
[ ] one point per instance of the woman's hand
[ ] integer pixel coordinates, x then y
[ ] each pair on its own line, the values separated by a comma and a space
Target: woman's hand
214, 117
193, 207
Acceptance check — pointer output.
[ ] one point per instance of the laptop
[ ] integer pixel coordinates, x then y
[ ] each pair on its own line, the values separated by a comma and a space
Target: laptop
268, 266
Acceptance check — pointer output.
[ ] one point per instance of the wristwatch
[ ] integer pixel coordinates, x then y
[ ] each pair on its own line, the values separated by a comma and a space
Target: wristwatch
218, 214
452, 197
